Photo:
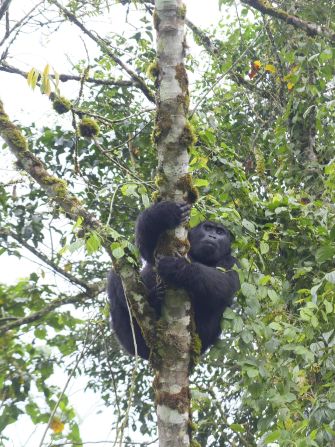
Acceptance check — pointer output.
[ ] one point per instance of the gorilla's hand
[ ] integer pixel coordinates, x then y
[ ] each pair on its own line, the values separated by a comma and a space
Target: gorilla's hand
172, 214
172, 269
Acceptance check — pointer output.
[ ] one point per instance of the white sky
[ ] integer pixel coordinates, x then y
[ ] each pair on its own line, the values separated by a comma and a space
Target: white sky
24, 105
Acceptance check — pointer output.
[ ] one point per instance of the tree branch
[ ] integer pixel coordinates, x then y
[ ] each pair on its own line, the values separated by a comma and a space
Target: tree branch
104, 46
36, 316
312, 29
5, 232
54, 187
67, 77
21, 22
4, 7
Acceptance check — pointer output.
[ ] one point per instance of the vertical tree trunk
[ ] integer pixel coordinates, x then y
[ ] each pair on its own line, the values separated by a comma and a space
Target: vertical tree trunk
173, 136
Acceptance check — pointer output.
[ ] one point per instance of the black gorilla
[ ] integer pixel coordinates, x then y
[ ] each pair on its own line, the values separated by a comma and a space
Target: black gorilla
211, 290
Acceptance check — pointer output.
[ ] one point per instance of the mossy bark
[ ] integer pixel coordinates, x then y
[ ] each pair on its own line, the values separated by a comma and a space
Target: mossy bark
173, 136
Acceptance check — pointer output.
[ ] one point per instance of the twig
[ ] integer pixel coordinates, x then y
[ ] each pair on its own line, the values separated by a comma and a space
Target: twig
79, 357
104, 46
48, 308
45, 259
27, 17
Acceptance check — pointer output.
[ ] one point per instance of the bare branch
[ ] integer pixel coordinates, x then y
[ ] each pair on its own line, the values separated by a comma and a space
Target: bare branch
312, 29
21, 22
104, 46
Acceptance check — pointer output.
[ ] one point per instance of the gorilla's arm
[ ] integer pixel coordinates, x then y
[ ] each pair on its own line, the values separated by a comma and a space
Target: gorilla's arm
210, 288
154, 221
120, 318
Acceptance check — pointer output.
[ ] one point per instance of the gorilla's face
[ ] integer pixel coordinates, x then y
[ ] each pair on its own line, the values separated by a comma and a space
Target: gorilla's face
210, 242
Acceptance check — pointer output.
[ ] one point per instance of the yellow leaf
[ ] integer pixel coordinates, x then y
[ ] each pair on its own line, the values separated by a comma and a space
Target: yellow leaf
290, 85
56, 425
46, 70
32, 78
45, 85
270, 68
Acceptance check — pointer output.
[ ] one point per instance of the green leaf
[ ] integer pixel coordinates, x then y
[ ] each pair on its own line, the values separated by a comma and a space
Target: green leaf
130, 190
93, 243
325, 253
200, 182
237, 428
145, 200
274, 436
272, 294
249, 226
252, 372
328, 306
247, 336
248, 290
229, 314
237, 324
264, 247
118, 252
326, 55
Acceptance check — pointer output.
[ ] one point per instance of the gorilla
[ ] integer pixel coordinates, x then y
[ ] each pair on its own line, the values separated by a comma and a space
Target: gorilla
210, 289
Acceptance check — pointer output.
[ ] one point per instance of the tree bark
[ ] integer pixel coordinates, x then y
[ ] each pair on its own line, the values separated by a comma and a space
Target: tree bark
173, 136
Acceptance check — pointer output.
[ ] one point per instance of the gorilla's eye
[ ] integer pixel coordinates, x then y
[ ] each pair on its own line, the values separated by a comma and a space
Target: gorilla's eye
219, 231
208, 228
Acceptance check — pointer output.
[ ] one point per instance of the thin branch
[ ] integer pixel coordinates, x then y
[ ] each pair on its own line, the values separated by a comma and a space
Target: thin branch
112, 122
35, 317
21, 22
104, 46
79, 357
4, 7
120, 163
243, 440
209, 45
67, 77
312, 29
45, 259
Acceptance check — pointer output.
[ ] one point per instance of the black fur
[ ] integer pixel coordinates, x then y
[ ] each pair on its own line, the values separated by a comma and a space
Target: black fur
211, 290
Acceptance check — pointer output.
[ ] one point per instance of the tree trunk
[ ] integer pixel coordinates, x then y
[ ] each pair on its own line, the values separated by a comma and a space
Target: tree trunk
173, 136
